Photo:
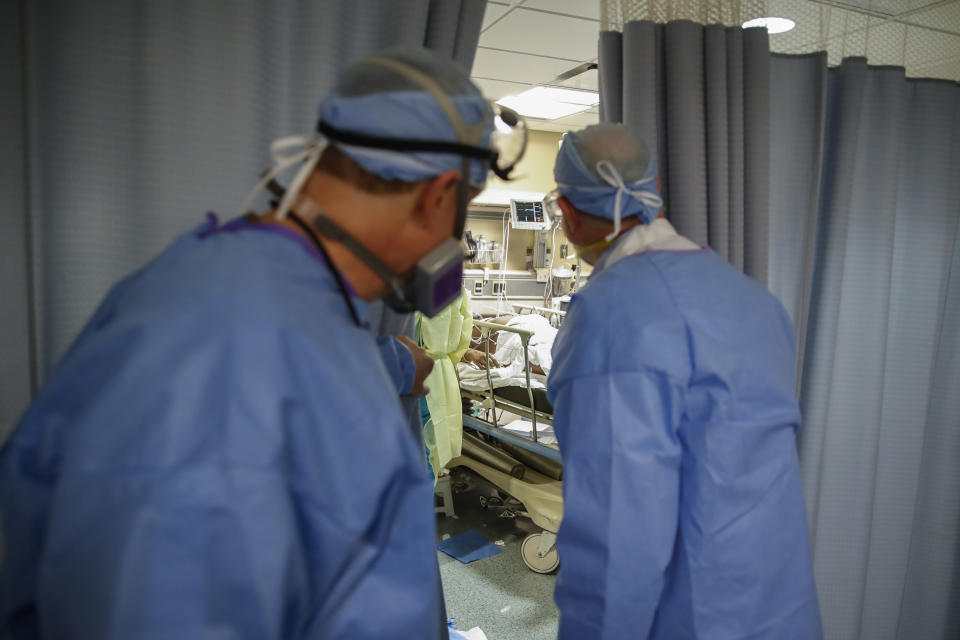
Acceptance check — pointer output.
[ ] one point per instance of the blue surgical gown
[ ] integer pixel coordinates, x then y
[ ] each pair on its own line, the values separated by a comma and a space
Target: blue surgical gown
385, 322
673, 389
220, 454
399, 363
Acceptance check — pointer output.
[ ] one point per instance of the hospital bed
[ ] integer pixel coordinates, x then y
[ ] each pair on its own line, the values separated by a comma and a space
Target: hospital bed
531, 308
526, 467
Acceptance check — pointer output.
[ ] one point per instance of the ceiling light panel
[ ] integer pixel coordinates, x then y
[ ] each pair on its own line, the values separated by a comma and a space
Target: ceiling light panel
496, 89
550, 103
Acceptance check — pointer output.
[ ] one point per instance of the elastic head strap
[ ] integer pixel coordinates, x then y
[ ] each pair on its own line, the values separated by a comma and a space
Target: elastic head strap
401, 144
309, 209
469, 134
333, 231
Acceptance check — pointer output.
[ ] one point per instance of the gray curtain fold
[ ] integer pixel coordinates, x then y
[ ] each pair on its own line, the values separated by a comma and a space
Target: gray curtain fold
140, 117
755, 229
838, 188
798, 94
454, 28
700, 96
931, 600
15, 305
864, 234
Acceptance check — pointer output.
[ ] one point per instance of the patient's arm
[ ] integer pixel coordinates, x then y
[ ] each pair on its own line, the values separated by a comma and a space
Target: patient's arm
479, 358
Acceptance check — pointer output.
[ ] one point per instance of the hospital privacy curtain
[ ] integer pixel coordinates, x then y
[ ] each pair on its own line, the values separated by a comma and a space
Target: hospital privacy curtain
865, 254
699, 95
843, 194
123, 122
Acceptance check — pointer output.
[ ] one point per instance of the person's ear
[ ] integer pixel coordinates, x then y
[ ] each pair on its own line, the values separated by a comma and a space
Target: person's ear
436, 198
572, 220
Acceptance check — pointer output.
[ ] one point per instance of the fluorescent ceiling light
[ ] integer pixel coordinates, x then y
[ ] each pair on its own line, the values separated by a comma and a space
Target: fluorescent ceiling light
550, 103
773, 25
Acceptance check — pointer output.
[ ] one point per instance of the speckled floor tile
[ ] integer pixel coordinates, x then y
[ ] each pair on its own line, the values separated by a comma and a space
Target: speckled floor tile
498, 594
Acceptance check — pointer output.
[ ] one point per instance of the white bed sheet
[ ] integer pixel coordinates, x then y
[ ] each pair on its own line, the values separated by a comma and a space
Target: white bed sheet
473, 378
510, 348
524, 427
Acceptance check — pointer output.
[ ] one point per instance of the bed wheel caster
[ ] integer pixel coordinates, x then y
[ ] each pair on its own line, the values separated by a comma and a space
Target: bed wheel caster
539, 552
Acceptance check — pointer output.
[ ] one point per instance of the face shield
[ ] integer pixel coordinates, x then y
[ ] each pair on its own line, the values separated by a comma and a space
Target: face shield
552, 205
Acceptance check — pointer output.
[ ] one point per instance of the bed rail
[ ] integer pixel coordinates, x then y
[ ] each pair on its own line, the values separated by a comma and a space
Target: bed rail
540, 310
525, 335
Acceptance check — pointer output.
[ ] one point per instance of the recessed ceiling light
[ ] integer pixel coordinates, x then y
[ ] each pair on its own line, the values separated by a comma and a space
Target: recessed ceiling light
550, 103
773, 25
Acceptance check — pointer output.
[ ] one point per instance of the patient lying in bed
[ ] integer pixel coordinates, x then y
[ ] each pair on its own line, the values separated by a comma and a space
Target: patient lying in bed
508, 367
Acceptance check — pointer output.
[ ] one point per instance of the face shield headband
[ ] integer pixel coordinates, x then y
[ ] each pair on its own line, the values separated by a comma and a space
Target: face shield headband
508, 144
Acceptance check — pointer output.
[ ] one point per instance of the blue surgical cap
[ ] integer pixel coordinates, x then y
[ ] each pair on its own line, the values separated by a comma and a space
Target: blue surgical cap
374, 99
603, 164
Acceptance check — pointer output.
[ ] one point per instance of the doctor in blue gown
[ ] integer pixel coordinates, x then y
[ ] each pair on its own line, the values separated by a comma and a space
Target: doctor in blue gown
221, 452
408, 364
673, 386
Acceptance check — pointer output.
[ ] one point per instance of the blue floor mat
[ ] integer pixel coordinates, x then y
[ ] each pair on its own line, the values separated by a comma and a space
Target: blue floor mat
468, 547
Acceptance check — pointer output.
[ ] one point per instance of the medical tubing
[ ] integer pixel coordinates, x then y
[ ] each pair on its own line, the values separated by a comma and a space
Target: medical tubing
525, 340
503, 270
548, 289
489, 455
505, 252
486, 351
